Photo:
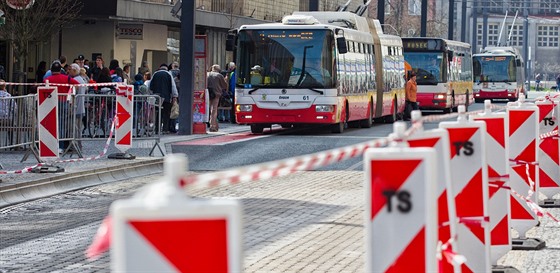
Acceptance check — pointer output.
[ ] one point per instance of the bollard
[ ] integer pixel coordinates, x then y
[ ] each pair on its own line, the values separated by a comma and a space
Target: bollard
446, 218
523, 134
470, 181
548, 154
161, 229
498, 175
124, 110
47, 112
401, 227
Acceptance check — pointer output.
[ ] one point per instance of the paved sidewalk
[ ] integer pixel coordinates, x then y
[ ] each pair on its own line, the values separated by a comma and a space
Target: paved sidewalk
110, 169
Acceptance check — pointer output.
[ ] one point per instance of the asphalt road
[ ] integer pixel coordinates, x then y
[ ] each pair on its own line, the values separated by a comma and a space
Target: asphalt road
285, 143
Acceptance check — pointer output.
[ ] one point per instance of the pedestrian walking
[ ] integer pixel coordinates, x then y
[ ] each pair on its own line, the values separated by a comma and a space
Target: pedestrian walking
216, 85
410, 92
162, 84
231, 78
558, 82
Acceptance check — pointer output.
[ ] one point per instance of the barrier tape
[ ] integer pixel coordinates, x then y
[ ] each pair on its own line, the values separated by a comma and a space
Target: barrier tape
451, 257
64, 84
105, 149
553, 134
538, 210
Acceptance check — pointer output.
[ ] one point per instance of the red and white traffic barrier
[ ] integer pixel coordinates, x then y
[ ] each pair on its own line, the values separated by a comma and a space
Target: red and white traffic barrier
125, 108
401, 226
548, 154
47, 112
523, 133
498, 174
470, 177
446, 217
161, 229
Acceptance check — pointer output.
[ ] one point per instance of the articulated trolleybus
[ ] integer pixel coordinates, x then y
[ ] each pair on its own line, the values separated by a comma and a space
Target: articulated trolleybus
443, 72
498, 74
332, 68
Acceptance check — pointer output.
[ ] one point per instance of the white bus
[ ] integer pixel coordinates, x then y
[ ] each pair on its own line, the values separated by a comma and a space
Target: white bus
498, 74
333, 68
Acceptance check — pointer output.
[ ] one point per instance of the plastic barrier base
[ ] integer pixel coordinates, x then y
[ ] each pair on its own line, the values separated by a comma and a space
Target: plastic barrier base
527, 244
121, 156
550, 203
504, 269
47, 169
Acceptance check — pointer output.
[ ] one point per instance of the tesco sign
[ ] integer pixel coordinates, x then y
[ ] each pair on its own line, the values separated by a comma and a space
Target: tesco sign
130, 31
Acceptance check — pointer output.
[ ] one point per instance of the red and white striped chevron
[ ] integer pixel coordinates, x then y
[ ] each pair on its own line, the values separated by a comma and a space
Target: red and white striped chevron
470, 180
548, 156
447, 220
178, 235
47, 112
523, 133
123, 134
401, 226
498, 175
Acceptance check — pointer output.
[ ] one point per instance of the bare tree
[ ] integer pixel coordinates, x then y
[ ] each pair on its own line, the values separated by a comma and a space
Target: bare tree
38, 23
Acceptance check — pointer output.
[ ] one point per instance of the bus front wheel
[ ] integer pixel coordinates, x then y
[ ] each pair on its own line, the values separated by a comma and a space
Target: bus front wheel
257, 128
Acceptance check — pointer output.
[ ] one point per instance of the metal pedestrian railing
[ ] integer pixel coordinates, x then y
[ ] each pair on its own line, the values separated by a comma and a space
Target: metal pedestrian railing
17, 121
83, 117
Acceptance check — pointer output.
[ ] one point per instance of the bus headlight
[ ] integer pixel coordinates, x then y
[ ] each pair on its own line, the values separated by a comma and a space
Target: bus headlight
440, 96
244, 108
324, 108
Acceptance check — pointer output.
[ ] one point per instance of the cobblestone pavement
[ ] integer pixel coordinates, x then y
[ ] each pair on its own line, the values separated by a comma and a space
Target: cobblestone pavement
306, 222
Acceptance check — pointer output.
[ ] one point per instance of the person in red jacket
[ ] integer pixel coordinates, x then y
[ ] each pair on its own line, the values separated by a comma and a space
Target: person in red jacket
65, 117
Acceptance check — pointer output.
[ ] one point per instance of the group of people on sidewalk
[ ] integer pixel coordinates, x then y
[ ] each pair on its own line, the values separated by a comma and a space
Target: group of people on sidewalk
163, 82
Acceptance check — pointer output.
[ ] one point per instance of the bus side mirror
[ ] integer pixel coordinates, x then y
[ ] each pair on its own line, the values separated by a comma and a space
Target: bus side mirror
518, 63
450, 56
341, 45
230, 42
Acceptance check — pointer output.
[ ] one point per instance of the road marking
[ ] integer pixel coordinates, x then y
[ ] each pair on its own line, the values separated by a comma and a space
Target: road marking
222, 140
355, 166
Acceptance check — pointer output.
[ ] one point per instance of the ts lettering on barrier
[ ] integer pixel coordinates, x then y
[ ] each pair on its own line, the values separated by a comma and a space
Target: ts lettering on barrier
469, 175
401, 226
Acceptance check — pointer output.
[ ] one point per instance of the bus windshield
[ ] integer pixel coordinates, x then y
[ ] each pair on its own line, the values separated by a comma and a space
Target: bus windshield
494, 69
276, 58
428, 66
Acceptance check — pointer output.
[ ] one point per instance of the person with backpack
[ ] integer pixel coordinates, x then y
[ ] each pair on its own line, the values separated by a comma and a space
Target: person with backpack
162, 83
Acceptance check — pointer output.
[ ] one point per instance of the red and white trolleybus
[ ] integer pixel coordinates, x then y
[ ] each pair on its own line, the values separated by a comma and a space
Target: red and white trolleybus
332, 68
443, 72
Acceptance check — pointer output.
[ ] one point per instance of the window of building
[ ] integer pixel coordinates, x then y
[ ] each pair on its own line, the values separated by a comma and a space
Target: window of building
516, 35
492, 36
414, 7
495, 5
549, 6
547, 36
387, 6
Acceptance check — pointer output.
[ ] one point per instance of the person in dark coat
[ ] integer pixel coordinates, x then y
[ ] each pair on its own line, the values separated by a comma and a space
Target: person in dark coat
162, 84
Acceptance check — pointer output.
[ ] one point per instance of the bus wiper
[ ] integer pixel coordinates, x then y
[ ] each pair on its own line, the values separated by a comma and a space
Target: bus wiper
253, 90
315, 90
